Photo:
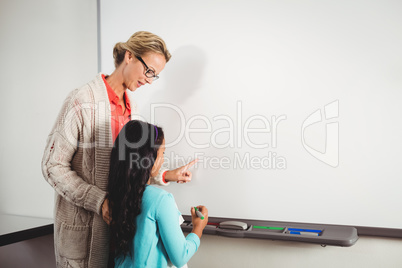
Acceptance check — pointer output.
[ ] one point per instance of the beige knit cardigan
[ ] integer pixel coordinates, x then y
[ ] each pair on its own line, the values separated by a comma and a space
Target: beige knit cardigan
76, 164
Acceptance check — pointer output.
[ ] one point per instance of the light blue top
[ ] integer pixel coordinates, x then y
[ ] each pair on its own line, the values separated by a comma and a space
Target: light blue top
159, 237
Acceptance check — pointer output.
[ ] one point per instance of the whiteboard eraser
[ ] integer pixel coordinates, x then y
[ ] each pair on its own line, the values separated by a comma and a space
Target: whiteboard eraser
234, 225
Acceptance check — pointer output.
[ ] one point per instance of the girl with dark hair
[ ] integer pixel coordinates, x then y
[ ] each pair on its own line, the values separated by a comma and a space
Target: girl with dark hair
145, 230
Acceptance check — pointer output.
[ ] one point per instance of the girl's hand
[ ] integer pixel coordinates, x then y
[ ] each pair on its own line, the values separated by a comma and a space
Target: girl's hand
181, 174
198, 223
105, 211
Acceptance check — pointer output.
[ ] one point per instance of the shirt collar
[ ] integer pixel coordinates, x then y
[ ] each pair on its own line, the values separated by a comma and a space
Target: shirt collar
113, 96
128, 105
110, 92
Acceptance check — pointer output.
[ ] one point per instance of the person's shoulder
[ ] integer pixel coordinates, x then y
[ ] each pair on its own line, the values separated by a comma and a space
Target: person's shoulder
85, 93
80, 95
156, 192
160, 201
154, 196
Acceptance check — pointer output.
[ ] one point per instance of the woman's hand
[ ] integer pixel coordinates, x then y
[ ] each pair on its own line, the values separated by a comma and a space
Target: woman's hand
181, 174
198, 223
105, 211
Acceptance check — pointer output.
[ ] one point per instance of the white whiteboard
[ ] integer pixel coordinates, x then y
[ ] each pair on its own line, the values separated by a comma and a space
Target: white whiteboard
297, 105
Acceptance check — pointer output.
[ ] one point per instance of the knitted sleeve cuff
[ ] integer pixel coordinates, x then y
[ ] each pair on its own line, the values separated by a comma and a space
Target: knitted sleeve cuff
94, 200
159, 179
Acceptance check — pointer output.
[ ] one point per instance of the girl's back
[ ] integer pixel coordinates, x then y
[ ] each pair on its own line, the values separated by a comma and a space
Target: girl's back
158, 234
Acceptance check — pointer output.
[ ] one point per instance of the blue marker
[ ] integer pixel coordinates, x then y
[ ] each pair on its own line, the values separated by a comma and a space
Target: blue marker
304, 233
305, 230
199, 214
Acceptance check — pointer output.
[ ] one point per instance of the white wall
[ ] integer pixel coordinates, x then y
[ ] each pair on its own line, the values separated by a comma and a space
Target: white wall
47, 49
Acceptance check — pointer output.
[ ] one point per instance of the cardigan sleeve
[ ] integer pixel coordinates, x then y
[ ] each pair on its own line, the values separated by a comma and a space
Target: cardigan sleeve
158, 178
61, 147
179, 248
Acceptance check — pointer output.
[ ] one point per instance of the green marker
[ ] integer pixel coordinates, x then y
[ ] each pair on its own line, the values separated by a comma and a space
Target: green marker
199, 214
268, 227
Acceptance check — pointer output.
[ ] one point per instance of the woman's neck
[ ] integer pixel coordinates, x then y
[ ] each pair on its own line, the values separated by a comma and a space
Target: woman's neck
115, 80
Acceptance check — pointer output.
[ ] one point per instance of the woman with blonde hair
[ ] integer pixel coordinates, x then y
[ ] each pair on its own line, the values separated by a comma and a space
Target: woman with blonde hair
77, 155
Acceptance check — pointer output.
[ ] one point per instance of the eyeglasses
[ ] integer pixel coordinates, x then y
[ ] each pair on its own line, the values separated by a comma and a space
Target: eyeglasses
148, 72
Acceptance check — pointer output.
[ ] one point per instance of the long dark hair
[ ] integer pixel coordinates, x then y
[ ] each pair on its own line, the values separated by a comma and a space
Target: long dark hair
131, 161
